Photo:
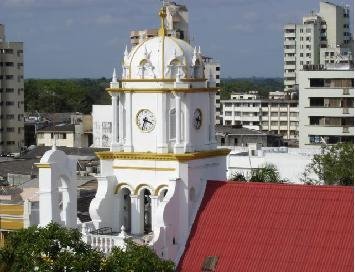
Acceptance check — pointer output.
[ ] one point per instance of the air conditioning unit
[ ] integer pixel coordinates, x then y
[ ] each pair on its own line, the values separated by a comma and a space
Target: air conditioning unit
346, 91
346, 130
346, 111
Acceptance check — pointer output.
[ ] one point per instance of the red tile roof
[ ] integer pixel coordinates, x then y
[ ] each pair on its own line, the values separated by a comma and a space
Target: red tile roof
272, 227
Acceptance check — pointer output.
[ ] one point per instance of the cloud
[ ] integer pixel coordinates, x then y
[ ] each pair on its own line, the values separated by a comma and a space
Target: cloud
46, 3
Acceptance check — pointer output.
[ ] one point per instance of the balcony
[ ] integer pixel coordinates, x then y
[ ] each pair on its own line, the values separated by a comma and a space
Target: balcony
291, 74
331, 112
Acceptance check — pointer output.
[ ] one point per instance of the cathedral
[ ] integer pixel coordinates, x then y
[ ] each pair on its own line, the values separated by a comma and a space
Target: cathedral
163, 150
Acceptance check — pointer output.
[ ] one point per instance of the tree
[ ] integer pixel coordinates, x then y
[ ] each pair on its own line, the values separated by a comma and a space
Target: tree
268, 173
335, 164
136, 258
55, 248
238, 176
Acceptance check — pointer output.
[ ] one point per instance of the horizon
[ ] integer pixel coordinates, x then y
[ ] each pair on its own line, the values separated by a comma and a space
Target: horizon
86, 38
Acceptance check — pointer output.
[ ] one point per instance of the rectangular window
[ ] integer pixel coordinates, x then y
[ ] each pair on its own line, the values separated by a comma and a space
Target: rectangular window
10, 129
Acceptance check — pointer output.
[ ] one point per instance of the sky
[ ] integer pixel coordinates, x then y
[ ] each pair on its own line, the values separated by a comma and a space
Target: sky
86, 38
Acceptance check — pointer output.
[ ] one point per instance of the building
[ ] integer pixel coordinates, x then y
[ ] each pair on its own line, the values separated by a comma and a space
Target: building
321, 38
176, 21
177, 25
11, 95
277, 116
290, 162
237, 135
102, 125
326, 97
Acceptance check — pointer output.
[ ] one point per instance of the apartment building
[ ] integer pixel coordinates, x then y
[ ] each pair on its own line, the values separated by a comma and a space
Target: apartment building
321, 38
326, 98
176, 23
11, 95
278, 116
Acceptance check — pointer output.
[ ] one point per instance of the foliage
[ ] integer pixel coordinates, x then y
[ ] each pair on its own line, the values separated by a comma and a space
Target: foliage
55, 248
261, 85
334, 166
238, 176
136, 258
267, 173
65, 95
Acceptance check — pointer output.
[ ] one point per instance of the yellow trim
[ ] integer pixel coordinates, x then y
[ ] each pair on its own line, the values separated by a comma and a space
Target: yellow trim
140, 186
11, 224
162, 90
162, 15
43, 165
120, 185
108, 155
144, 168
160, 187
11, 209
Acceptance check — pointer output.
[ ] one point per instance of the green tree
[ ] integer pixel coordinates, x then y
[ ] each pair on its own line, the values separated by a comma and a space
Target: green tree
136, 258
238, 176
267, 173
334, 165
58, 249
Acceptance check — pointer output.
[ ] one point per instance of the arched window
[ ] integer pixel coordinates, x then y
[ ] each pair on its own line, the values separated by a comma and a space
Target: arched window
173, 67
197, 68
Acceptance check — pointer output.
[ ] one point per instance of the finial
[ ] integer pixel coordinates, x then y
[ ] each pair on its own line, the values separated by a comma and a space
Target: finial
54, 146
195, 51
162, 15
114, 76
123, 233
126, 51
199, 50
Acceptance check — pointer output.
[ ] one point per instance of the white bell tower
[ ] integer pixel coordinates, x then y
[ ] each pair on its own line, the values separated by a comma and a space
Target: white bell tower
163, 149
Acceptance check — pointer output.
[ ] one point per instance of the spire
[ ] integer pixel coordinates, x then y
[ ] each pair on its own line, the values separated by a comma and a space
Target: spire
162, 15
199, 50
126, 52
114, 76
194, 57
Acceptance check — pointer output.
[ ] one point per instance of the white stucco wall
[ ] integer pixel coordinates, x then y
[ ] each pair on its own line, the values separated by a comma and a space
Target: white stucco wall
102, 125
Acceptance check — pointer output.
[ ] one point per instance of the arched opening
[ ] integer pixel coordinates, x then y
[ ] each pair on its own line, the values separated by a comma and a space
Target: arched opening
162, 194
63, 200
147, 215
126, 208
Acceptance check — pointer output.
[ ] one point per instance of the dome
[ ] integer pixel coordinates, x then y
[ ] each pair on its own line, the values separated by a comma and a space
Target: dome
163, 57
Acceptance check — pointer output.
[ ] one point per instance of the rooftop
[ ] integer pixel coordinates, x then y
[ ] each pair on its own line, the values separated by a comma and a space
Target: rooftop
271, 227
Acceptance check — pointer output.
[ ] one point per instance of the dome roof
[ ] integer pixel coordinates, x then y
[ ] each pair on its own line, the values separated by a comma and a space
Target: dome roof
163, 57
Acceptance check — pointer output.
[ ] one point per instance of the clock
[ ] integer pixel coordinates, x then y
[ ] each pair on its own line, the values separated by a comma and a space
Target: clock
145, 120
197, 119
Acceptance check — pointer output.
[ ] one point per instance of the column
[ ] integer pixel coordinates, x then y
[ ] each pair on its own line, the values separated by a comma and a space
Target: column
154, 202
163, 120
114, 144
121, 120
178, 147
128, 143
187, 124
213, 140
137, 215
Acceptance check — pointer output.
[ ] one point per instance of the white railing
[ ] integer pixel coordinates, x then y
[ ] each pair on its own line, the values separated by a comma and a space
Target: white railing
104, 243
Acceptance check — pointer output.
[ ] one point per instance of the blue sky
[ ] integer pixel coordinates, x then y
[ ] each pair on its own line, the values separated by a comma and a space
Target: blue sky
86, 38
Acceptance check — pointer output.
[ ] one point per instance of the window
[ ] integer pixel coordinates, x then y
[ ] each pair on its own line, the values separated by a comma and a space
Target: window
283, 114
301, 38
228, 113
9, 76
274, 123
274, 114
301, 62
9, 64
218, 68
301, 54
10, 142
9, 51
223, 141
10, 129
217, 76
10, 116
283, 123
9, 90
308, 30
301, 30
10, 103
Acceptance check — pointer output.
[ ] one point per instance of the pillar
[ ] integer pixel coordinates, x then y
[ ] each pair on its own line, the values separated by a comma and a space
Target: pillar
187, 124
163, 117
128, 143
120, 120
178, 148
154, 206
114, 144
137, 215
213, 141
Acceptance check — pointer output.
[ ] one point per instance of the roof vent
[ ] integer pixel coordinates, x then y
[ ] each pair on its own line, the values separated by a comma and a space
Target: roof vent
209, 264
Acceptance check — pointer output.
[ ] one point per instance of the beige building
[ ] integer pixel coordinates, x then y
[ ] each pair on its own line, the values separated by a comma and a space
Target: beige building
326, 105
321, 38
11, 95
277, 116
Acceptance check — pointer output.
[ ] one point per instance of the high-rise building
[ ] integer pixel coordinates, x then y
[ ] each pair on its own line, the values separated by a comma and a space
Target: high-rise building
326, 101
11, 95
177, 25
321, 38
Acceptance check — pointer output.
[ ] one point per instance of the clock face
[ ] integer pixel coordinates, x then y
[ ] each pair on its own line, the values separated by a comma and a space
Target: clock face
145, 120
197, 118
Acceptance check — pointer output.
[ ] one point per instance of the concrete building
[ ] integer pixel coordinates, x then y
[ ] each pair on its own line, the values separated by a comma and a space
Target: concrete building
11, 95
321, 38
278, 116
102, 125
326, 98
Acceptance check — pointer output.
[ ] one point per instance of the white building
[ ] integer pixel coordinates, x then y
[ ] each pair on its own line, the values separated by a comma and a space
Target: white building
11, 95
163, 152
278, 116
102, 125
290, 162
322, 38
326, 100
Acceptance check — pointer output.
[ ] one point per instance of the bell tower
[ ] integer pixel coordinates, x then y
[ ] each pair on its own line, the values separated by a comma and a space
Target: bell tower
164, 148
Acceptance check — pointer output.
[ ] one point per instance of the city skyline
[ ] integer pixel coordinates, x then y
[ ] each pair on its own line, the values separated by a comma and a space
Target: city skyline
247, 36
